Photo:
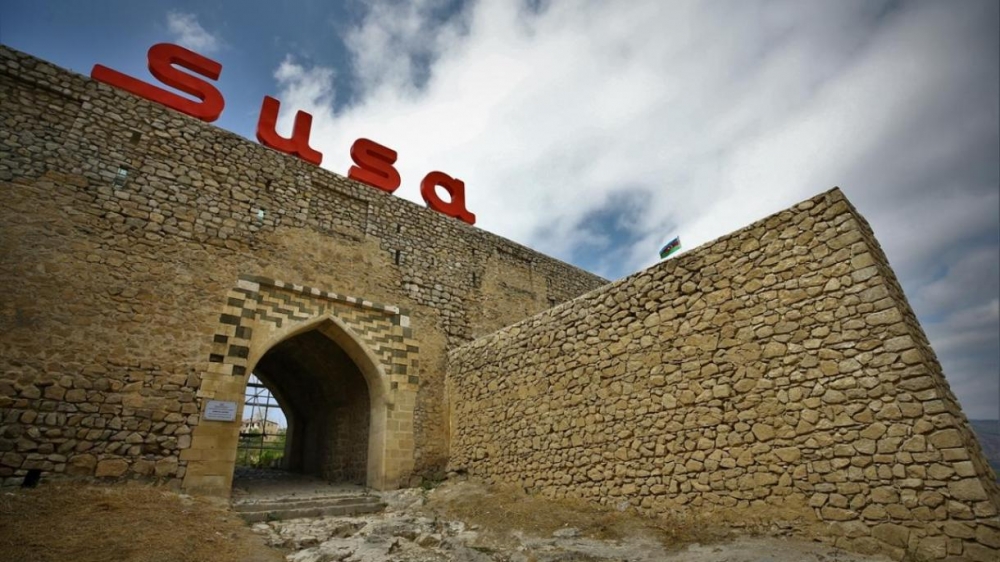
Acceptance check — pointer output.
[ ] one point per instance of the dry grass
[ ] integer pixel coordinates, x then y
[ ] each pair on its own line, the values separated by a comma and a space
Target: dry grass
127, 522
69, 522
500, 510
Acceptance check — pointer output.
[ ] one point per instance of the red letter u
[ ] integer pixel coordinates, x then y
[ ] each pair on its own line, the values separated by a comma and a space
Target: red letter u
298, 145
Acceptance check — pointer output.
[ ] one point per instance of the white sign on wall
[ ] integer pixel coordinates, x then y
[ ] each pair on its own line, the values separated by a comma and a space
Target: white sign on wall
218, 410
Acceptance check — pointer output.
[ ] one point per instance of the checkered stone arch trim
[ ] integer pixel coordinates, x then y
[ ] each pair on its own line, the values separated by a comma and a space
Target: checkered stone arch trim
384, 329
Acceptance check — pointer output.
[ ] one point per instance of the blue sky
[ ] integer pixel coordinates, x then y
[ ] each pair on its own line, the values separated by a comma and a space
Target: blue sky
596, 131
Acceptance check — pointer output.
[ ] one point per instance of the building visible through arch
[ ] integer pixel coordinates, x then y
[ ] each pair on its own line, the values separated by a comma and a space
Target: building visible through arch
263, 429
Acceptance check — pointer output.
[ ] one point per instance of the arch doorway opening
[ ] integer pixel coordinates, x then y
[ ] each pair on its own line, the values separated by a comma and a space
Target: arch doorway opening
264, 429
307, 418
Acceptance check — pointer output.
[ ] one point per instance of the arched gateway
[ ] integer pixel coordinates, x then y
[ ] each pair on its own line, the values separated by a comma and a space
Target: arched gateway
341, 365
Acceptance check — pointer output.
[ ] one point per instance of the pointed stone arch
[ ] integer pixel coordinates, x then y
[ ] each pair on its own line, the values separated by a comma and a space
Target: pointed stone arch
262, 313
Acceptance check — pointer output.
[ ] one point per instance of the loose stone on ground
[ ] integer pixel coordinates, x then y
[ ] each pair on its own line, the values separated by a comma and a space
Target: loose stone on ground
412, 529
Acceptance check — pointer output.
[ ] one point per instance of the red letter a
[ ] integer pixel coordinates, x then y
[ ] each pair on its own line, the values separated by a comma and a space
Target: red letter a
374, 165
162, 57
298, 145
454, 187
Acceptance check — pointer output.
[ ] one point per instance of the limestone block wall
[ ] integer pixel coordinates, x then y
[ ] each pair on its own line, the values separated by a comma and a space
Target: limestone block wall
779, 367
127, 231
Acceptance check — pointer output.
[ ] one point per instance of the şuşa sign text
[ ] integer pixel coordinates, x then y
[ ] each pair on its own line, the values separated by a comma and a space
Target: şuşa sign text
373, 162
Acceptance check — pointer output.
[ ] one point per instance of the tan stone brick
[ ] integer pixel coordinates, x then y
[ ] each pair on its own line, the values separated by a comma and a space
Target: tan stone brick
874, 431
763, 431
988, 536
892, 534
166, 467
964, 469
959, 530
836, 514
111, 468
932, 548
969, 489
788, 454
979, 553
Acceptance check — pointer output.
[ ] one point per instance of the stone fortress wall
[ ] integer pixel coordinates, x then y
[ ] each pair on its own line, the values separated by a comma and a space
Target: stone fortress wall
127, 305
778, 366
777, 370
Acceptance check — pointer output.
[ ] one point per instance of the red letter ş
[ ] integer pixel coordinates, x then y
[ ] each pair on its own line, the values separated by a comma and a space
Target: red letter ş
162, 57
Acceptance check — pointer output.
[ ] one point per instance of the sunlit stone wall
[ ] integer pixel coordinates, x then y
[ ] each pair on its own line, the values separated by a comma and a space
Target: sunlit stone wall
776, 372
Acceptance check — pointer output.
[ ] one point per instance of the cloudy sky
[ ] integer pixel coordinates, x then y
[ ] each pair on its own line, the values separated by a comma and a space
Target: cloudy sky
596, 131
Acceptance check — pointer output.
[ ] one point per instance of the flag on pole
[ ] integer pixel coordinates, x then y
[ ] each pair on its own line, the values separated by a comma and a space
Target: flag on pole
671, 247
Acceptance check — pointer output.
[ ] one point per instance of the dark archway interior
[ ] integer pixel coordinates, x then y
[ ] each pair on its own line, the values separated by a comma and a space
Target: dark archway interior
325, 399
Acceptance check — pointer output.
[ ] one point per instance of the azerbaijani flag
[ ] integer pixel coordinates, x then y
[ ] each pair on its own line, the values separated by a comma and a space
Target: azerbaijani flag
671, 247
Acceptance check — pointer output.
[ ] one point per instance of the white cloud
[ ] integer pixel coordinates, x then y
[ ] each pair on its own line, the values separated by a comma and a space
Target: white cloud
303, 87
388, 49
712, 114
190, 34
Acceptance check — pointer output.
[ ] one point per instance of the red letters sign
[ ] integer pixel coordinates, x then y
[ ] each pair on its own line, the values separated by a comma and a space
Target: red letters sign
454, 187
298, 145
373, 163
162, 58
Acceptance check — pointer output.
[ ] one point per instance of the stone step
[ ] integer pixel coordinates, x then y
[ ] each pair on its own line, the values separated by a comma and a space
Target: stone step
292, 508
300, 501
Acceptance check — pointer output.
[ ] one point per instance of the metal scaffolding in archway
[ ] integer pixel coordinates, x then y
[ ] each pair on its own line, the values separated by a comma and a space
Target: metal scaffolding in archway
263, 429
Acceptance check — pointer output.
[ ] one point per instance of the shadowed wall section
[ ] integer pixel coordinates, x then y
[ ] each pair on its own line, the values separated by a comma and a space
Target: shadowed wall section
329, 404
779, 366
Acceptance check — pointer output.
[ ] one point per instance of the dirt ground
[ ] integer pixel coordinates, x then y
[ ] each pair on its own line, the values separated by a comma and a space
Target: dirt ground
501, 511
456, 521
65, 522
512, 521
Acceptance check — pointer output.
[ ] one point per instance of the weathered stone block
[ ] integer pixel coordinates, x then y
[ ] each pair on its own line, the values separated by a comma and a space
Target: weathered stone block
789, 454
763, 432
959, 530
979, 553
890, 316
932, 548
899, 343
830, 513
892, 534
12, 459
81, 465
988, 536
969, 489
111, 468
874, 431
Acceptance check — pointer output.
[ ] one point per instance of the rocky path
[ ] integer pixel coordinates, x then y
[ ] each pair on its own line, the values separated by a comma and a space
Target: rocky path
414, 529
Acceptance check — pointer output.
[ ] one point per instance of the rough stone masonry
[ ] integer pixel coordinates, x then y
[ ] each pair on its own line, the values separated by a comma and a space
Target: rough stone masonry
779, 367
140, 282
778, 370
